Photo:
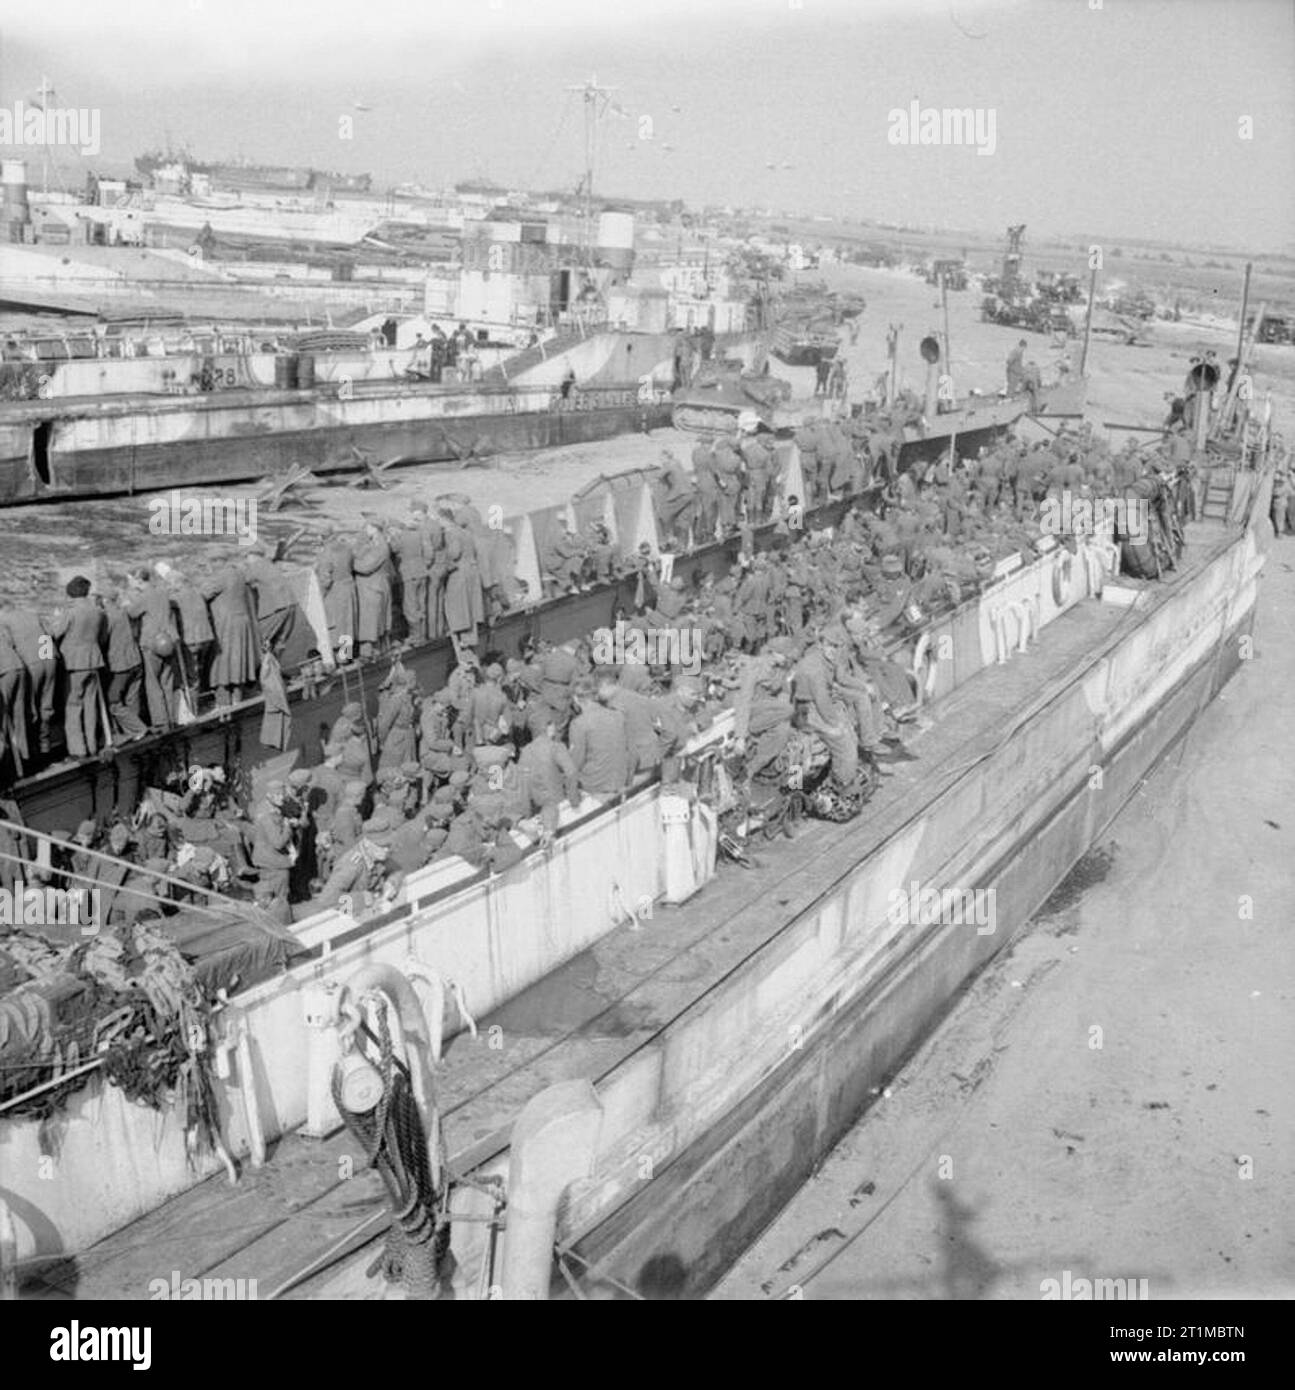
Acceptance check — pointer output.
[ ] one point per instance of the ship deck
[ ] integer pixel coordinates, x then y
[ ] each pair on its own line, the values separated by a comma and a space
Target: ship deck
588, 1016
131, 402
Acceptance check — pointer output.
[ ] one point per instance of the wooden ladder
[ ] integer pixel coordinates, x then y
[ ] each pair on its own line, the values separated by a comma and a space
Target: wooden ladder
1218, 493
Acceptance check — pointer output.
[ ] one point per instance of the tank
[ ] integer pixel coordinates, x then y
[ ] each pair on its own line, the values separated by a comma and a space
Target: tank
804, 346
723, 394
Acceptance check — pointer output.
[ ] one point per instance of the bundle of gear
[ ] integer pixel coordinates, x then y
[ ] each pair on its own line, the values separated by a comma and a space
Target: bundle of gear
770, 801
127, 997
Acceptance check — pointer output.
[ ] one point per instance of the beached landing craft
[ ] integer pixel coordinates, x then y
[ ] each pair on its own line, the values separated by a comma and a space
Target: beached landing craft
86, 436
643, 1089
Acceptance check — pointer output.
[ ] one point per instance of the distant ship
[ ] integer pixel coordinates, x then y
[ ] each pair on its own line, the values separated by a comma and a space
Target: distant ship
248, 175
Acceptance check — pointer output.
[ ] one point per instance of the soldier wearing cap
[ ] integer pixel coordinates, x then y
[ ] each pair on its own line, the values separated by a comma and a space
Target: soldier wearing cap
761, 462
335, 571
854, 688
489, 715
125, 668
397, 737
707, 487
600, 554
273, 853
481, 839
892, 591
385, 816
197, 635
680, 714
356, 881
349, 736
348, 820
81, 631
753, 605
644, 569
762, 709
563, 559
464, 596
547, 776
276, 603
827, 717
326, 787
372, 566
35, 648
150, 602
598, 743
414, 844
411, 547
558, 671
730, 479
893, 682
638, 712
678, 500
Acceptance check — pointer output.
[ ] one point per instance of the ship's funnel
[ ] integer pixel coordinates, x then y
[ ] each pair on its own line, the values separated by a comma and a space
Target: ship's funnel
14, 211
929, 347
1202, 379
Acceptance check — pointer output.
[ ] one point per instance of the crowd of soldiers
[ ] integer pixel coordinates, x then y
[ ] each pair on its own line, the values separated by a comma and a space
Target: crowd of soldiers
144, 652
797, 636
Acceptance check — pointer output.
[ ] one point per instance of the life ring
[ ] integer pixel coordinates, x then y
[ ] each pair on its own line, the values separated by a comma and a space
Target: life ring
1061, 578
924, 667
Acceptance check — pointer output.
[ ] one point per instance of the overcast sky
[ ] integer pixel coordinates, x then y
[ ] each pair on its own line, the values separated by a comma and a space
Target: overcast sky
1123, 119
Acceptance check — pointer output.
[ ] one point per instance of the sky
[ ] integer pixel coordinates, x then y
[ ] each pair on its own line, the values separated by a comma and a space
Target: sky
1110, 117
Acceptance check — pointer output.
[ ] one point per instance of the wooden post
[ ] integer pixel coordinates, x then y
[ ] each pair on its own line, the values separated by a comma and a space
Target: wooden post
944, 298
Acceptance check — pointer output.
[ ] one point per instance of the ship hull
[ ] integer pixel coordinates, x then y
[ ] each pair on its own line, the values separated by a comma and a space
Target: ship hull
734, 1071
982, 422
105, 444
710, 1205
232, 444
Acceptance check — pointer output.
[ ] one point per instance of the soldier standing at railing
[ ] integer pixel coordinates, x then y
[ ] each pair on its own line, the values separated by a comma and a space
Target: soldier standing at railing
411, 547
371, 564
81, 630
334, 568
159, 641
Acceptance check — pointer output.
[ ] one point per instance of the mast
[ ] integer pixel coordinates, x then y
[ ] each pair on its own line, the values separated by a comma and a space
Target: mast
1241, 327
1088, 320
596, 99
46, 91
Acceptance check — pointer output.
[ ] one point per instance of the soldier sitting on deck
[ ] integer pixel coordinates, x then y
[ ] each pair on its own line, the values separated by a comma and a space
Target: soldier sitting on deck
563, 560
